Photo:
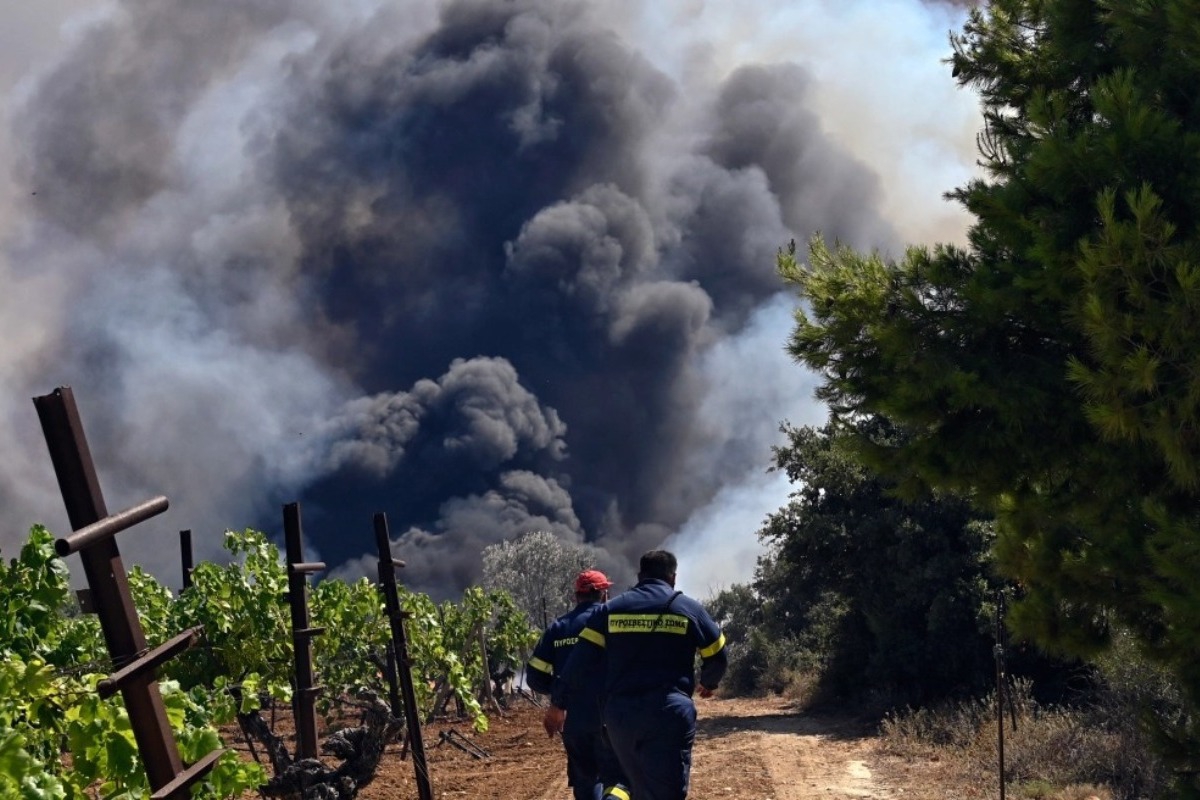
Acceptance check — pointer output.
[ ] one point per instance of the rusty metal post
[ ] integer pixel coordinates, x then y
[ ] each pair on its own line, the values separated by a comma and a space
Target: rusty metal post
305, 703
185, 556
396, 616
109, 584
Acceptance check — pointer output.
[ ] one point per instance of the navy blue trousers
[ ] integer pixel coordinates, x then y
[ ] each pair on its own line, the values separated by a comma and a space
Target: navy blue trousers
591, 764
652, 735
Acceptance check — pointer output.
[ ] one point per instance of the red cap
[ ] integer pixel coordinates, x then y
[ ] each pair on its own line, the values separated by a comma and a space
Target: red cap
591, 580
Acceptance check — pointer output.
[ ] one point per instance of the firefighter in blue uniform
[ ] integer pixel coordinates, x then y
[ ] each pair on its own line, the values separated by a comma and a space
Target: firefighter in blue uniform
648, 638
592, 768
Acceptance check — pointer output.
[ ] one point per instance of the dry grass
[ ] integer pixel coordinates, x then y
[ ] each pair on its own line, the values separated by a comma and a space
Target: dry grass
1049, 754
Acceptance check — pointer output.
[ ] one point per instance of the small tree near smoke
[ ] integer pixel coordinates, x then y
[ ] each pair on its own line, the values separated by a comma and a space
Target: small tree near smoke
538, 570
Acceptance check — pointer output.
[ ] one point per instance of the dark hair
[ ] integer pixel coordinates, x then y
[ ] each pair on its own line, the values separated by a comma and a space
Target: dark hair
659, 564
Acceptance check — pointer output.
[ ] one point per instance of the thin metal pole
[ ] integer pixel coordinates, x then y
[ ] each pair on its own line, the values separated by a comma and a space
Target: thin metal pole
306, 692
1000, 685
393, 679
396, 615
185, 557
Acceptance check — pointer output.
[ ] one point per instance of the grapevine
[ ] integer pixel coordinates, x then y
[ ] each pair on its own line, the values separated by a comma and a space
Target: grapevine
52, 657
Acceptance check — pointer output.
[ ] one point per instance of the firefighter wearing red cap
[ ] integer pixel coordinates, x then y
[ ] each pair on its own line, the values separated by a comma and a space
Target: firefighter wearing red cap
647, 639
593, 771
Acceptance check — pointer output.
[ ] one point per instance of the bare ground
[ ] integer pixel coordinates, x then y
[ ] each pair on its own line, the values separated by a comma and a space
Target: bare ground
749, 749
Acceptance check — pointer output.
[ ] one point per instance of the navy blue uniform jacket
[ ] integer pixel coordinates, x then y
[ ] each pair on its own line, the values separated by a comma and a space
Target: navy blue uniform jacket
647, 639
550, 659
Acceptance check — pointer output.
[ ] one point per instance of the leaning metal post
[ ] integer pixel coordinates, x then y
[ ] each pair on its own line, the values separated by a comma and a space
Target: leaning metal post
108, 593
107, 579
396, 615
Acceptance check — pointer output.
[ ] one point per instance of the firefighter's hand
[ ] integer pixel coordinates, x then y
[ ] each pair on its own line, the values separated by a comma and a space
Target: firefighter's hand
553, 719
704, 691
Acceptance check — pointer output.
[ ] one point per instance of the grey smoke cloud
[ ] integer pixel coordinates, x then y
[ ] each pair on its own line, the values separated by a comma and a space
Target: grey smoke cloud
485, 266
484, 414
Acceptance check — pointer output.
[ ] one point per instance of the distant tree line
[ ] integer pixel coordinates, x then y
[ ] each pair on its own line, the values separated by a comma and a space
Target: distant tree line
868, 596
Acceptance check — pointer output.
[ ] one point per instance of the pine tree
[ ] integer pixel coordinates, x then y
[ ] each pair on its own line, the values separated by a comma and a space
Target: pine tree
1050, 368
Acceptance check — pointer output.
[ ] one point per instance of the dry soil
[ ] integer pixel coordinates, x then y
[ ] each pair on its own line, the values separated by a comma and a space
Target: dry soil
750, 749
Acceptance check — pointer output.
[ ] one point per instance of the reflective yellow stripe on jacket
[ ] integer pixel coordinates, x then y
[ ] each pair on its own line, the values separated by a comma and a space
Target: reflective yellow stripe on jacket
595, 637
714, 648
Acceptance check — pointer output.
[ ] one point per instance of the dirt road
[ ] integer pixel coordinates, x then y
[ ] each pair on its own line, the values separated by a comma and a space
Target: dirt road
748, 749
764, 749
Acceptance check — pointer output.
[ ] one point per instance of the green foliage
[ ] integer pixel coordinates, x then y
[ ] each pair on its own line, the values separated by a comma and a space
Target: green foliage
510, 635
30, 760
350, 653
34, 591
763, 663
1047, 370
155, 605
51, 659
738, 611
874, 593
761, 658
49, 668
243, 609
449, 641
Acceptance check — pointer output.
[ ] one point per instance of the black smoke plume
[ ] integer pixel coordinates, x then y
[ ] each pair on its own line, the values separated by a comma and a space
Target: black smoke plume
464, 263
